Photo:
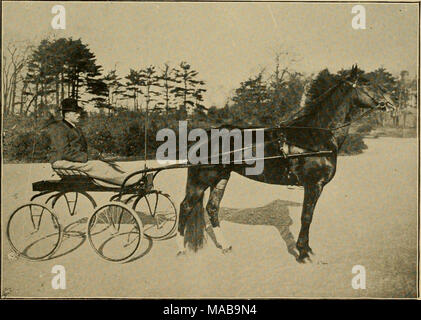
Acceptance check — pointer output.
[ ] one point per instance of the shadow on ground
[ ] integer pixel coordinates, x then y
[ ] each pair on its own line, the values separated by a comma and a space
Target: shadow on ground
274, 214
74, 236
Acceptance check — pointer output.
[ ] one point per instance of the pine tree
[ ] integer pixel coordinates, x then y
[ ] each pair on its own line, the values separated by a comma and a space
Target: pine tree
166, 80
150, 82
187, 84
133, 85
115, 88
57, 66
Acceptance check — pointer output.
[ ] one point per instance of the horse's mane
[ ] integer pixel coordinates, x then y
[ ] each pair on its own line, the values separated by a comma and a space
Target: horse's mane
321, 85
321, 88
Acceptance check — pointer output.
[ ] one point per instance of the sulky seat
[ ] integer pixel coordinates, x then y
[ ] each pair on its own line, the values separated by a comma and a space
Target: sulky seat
76, 180
71, 183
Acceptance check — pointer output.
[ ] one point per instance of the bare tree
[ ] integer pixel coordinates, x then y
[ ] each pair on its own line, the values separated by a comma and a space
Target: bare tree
15, 58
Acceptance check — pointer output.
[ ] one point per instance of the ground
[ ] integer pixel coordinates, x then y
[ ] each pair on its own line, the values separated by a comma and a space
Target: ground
366, 216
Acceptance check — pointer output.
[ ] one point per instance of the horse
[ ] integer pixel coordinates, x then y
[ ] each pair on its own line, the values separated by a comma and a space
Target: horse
321, 125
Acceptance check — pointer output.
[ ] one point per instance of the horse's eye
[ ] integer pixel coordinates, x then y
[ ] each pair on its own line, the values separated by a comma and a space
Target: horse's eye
382, 103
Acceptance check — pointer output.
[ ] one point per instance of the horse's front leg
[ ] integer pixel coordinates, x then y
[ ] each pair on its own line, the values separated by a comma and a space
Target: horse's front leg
311, 195
212, 207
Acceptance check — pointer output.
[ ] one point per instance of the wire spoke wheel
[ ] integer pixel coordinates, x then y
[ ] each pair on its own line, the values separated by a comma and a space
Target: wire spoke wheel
158, 215
34, 231
115, 232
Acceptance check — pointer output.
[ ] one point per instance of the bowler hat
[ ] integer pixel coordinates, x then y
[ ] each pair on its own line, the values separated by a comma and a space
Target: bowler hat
69, 104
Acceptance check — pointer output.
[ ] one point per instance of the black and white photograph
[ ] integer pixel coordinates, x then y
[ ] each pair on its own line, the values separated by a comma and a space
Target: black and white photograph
196, 150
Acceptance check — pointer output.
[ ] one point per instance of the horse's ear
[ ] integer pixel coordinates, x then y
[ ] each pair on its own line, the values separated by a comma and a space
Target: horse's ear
354, 70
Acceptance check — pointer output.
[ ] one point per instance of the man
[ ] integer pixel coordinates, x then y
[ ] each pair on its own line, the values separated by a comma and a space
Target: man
67, 140
69, 149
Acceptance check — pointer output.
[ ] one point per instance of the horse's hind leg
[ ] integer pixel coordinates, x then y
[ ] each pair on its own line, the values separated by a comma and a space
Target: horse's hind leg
311, 195
212, 207
194, 194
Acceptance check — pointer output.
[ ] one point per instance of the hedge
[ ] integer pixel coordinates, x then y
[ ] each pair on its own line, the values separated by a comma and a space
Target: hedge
122, 136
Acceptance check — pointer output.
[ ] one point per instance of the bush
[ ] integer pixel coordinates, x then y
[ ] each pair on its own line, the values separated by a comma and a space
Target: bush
103, 141
24, 139
30, 147
365, 128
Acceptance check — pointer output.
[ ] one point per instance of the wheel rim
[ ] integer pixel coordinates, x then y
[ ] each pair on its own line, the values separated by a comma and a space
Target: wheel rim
72, 203
114, 232
34, 231
75, 208
158, 215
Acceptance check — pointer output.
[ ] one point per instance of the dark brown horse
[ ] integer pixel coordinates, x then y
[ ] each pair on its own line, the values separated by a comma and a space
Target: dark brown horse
322, 125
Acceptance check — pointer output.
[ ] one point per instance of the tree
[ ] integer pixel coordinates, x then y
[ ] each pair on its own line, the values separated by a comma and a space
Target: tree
385, 81
15, 58
40, 75
149, 80
166, 80
187, 84
291, 95
403, 88
133, 89
99, 89
115, 87
249, 99
198, 99
381, 77
261, 102
80, 65
57, 66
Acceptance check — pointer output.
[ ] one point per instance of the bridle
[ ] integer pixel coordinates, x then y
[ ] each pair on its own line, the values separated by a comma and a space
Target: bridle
383, 105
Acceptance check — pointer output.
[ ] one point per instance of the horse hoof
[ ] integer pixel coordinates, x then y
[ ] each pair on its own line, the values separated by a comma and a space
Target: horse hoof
227, 250
304, 258
181, 253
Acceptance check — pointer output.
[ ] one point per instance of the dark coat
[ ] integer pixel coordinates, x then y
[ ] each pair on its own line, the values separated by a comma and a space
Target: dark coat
67, 142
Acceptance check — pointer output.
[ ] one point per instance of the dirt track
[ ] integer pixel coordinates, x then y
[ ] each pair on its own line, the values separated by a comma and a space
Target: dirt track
366, 216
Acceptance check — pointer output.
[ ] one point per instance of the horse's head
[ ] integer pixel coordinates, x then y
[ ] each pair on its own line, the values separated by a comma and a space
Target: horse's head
367, 95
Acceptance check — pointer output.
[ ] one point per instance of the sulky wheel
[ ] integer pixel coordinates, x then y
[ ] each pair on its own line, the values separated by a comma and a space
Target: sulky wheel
74, 209
34, 231
158, 214
71, 203
115, 232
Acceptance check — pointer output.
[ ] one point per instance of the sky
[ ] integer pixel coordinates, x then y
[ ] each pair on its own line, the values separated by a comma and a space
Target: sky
227, 42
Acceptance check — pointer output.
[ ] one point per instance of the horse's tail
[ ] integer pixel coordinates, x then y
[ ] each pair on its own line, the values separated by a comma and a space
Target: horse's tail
194, 235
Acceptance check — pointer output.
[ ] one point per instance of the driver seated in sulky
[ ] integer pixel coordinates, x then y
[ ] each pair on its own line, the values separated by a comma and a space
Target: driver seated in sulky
67, 140
69, 149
